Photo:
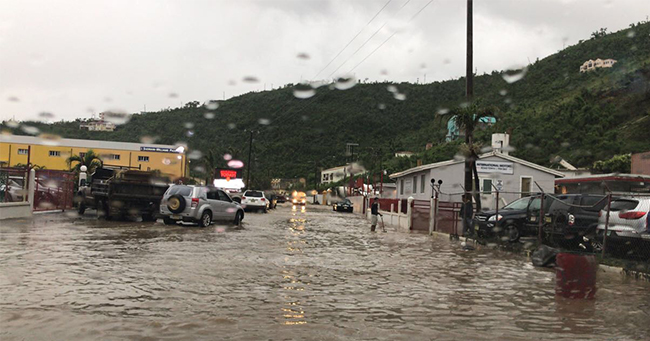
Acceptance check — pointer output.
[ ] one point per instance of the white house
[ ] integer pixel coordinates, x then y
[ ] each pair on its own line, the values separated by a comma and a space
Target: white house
507, 173
591, 65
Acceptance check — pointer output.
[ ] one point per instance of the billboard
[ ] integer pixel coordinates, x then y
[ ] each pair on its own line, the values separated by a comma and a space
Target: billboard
227, 173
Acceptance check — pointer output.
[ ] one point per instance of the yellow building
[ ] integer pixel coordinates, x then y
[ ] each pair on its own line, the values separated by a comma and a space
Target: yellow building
52, 154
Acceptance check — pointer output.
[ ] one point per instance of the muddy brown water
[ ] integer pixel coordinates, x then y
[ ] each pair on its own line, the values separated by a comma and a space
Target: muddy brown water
315, 275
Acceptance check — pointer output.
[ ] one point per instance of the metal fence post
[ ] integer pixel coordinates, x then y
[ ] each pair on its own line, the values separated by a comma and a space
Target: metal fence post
541, 215
609, 206
31, 188
409, 213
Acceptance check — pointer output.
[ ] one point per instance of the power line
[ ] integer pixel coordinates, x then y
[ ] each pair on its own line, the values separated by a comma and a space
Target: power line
353, 38
367, 40
391, 36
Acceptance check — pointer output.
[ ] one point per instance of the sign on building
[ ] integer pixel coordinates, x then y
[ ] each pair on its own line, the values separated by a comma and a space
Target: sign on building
227, 173
494, 167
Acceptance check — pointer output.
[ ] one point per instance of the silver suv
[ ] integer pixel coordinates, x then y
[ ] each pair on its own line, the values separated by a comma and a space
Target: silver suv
199, 204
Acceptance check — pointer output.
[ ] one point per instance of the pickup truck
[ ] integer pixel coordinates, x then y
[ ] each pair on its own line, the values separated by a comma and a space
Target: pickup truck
117, 193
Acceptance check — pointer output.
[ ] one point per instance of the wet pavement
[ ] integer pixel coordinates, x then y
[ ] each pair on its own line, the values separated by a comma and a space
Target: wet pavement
316, 275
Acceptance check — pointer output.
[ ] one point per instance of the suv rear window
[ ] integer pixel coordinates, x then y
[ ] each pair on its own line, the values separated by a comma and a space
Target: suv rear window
624, 205
254, 194
182, 190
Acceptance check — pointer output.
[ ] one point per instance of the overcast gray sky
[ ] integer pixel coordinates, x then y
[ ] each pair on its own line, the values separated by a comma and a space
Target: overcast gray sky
71, 58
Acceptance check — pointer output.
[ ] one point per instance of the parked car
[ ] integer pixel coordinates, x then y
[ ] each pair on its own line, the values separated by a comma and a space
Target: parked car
255, 200
343, 206
629, 222
282, 199
199, 204
573, 217
518, 219
13, 190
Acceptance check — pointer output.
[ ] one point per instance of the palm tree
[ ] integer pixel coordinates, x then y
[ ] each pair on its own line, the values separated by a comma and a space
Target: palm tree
209, 162
89, 159
467, 119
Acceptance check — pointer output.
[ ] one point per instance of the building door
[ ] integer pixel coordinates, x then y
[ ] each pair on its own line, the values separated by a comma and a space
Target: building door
526, 186
487, 194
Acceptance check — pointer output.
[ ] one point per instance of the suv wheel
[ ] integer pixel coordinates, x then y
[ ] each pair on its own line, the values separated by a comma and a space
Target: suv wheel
512, 232
206, 219
238, 217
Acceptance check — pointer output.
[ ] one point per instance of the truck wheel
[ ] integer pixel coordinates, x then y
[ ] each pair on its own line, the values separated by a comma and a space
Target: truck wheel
206, 219
169, 221
238, 217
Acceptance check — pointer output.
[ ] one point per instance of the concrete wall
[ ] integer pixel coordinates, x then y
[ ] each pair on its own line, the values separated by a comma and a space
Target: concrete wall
641, 163
12, 210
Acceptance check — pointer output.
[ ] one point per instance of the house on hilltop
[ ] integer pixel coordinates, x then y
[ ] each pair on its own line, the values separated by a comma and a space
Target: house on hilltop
591, 65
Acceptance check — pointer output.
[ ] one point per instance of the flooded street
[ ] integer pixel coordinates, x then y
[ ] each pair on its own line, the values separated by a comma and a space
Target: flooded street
286, 275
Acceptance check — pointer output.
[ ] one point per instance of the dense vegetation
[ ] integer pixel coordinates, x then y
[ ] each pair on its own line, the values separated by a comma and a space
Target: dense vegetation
553, 110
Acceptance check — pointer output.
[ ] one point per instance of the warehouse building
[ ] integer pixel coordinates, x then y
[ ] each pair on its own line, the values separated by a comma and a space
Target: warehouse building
53, 154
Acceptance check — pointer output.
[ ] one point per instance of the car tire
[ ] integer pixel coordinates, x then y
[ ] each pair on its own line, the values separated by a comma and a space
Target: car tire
512, 232
176, 203
169, 221
206, 219
239, 216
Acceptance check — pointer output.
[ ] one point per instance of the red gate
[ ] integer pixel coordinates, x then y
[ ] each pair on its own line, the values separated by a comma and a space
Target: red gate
53, 190
448, 217
420, 212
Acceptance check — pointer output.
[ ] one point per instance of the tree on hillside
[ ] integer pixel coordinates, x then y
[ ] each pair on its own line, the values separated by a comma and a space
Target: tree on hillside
617, 164
209, 162
89, 159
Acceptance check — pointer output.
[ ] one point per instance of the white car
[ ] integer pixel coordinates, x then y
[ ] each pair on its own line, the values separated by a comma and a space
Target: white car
254, 201
629, 220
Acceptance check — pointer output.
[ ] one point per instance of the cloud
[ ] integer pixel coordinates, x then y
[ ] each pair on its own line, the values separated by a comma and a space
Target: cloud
67, 56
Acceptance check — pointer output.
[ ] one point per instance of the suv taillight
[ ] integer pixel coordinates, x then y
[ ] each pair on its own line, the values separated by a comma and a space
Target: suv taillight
243, 197
631, 215
263, 199
195, 202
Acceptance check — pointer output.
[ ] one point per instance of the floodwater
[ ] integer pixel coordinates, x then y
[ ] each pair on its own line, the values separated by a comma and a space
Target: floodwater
315, 275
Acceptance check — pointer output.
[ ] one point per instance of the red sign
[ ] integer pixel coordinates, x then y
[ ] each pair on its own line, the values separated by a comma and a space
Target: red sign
224, 173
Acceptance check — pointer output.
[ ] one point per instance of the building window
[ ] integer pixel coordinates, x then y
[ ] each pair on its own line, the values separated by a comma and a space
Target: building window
422, 183
23, 151
401, 187
143, 158
117, 157
55, 153
487, 186
82, 155
415, 184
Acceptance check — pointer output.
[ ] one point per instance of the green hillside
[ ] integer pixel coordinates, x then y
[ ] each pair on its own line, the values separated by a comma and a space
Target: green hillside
553, 110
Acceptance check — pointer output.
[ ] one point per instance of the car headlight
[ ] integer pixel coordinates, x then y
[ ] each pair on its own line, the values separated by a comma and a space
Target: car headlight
295, 201
496, 217
304, 201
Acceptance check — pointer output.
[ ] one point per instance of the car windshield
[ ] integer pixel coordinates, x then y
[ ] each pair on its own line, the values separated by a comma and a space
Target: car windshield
254, 194
184, 191
141, 128
520, 204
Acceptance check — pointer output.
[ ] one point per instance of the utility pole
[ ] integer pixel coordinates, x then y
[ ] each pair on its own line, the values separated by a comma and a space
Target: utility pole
248, 166
469, 93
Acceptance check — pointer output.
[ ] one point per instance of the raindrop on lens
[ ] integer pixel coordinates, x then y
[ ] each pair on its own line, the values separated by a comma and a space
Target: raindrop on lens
392, 88
250, 79
46, 115
503, 92
189, 125
264, 121
443, 111
30, 130
173, 95
512, 76
381, 106
209, 115
227, 157
50, 139
399, 97
13, 99
190, 133
235, 164
231, 126
12, 124
166, 161
195, 155
148, 139
303, 91
345, 83
117, 118
211, 105
302, 55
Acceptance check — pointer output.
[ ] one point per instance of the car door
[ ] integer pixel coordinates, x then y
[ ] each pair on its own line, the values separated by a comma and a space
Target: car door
230, 208
531, 220
215, 206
